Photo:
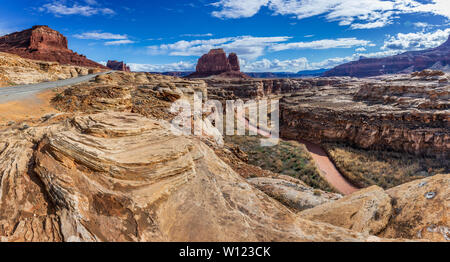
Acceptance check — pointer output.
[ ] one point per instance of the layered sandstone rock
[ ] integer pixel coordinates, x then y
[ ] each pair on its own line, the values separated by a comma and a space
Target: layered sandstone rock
434, 58
292, 192
43, 43
421, 210
121, 177
216, 63
15, 70
398, 114
368, 210
116, 65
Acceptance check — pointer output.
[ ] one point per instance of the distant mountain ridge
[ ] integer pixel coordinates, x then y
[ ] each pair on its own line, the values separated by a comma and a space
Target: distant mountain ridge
306, 73
437, 58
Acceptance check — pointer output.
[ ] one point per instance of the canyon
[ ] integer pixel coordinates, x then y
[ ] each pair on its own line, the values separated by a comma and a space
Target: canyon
103, 160
108, 168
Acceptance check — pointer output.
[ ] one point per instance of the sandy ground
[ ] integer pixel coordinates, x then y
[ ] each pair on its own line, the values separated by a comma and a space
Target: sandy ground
28, 110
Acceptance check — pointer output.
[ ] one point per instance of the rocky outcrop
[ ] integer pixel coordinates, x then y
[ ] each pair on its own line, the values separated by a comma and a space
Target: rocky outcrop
116, 65
15, 70
292, 192
421, 210
43, 43
122, 177
435, 58
216, 63
367, 210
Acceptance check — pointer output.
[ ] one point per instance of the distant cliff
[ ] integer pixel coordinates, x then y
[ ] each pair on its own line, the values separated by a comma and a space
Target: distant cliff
43, 43
435, 58
216, 63
119, 66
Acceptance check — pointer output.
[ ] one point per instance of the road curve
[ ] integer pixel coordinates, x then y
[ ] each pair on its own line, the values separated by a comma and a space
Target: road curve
13, 93
326, 168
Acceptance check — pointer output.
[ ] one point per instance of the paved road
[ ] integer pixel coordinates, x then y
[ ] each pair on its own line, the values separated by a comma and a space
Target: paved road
14, 93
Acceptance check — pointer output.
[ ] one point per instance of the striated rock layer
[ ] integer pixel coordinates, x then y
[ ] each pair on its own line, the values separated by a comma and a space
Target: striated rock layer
122, 177
434, 58
405, 113
15, 70
216, 63
43, 43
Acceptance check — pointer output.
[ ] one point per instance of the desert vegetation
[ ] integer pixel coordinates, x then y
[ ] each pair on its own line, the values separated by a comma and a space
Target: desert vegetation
288, 158
383, 168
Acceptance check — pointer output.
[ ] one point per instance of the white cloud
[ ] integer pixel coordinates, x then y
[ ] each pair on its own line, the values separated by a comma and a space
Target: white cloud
59, 8
180, 66
416, 41
101, 36
119, 42
360, 49
421, 25
359, 14
248, 47
196, 35
322, 44
238, 8
302, 63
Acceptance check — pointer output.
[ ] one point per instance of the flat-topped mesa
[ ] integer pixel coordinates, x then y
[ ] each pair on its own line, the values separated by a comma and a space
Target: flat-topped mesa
216, 63
43, 43
119, 66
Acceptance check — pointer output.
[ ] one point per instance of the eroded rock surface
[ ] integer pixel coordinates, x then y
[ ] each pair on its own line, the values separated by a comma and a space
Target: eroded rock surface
15, 70
121, 177
421, 210
216, 63
367, 210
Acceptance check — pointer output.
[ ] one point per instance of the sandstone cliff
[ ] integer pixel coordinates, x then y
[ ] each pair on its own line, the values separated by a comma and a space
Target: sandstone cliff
216, 63
116, 65
434, 58
15, 70
43, 43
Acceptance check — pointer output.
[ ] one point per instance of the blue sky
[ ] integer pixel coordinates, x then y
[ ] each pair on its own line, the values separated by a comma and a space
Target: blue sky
267, 35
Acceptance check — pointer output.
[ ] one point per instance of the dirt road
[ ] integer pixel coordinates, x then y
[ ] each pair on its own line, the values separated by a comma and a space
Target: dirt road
326, 168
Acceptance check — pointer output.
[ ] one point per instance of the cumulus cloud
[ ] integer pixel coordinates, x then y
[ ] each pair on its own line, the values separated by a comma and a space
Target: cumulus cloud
360, 49
322, 44
100, 36
248, 47
180, 66
416, 41
60, 8
299, 64
358, 14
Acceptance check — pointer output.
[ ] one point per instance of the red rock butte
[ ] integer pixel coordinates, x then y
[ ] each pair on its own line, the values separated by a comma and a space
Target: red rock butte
119, 66
216, 63
43, 43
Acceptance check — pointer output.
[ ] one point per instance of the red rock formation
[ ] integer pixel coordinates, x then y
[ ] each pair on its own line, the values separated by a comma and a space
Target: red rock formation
119, 66
43, 43
435, 58
216, 63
